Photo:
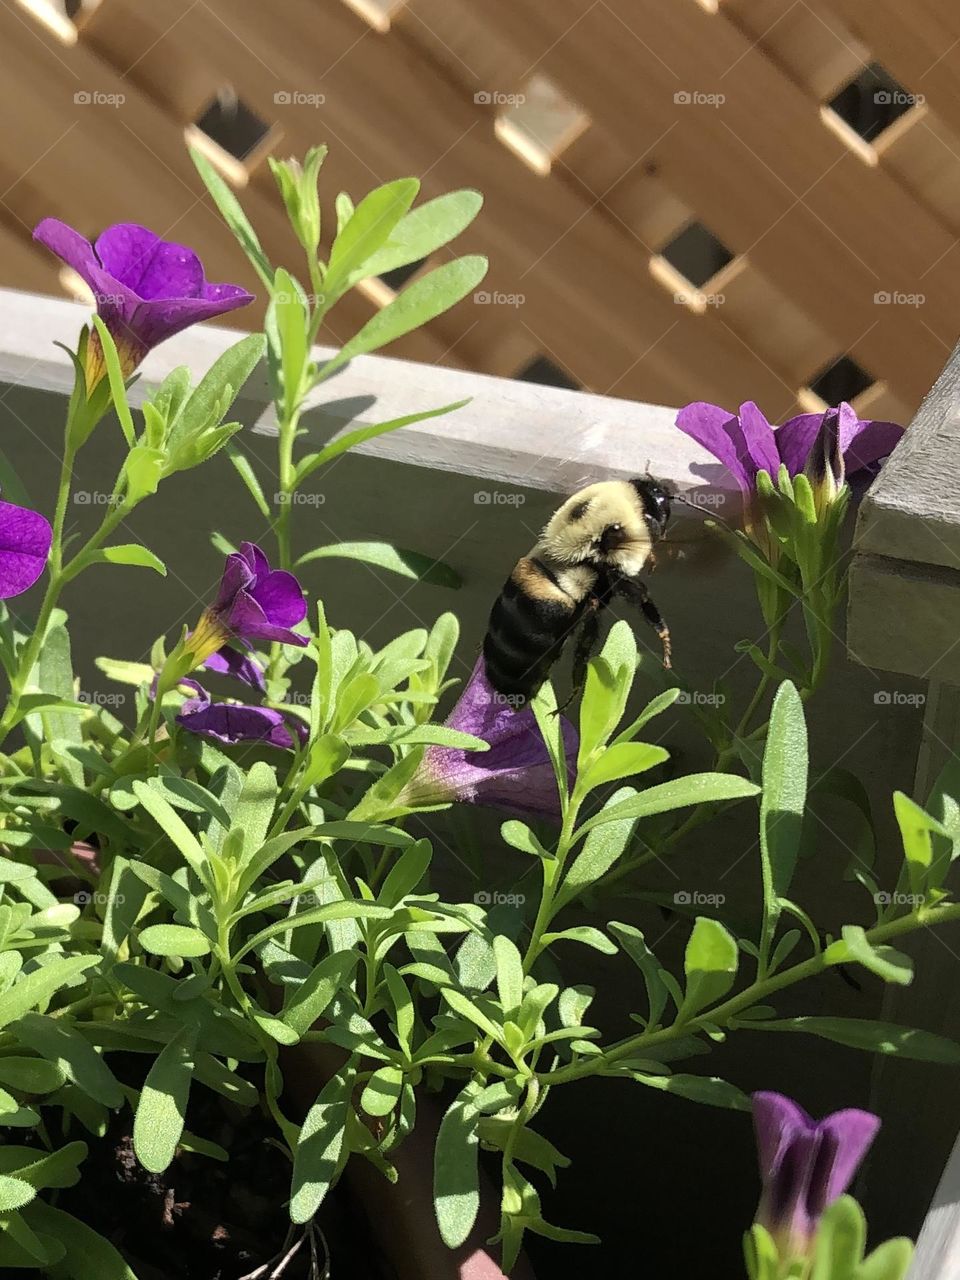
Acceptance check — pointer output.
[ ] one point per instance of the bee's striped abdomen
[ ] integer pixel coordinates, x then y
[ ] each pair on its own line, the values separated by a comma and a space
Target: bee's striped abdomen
529, 623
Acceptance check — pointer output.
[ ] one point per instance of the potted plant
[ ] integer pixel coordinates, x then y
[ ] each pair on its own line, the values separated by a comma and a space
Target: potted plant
226, 977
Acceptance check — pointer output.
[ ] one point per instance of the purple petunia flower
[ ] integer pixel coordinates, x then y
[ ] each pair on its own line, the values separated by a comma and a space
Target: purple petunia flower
231, 722
805, 1165
746, 442
240, 666
254, 603
147, 289
25, 538
515, 774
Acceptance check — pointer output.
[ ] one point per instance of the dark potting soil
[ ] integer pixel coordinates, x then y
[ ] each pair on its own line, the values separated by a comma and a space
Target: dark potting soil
203, 1219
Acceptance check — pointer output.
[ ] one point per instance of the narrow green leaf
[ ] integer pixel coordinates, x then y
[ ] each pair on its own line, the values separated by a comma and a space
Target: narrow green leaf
319, 1146
233, 216
409, 564
710, 964
162, 1108
131, 554
456, 1174
174, 940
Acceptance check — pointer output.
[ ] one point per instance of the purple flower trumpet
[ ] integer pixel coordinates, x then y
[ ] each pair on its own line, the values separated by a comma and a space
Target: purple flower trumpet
805, 1165
515, 774
254, 603
147, 289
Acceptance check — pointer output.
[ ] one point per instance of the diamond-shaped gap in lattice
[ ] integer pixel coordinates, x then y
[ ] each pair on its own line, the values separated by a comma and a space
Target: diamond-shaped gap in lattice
841, 379
537, 123
232, 135
866, 107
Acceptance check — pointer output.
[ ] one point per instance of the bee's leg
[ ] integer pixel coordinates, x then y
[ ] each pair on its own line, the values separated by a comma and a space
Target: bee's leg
587, 640
635, 591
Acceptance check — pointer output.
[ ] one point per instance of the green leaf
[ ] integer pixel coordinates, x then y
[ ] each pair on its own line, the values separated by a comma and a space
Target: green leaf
382, 1092
234, 217
696, 788
287, 331
319, 1146
162, 1108
409, 564
633, 942
889, 1261
710, 964
174, 827
602, 849
244, 469
784, 798
34, 989
519, 836
424, 230
839, 1242
885, 962
423, 300
118, 389
366, 230
406, 873
132, 554
623, 760
340, 444
710, 1090
174, 940
584, 933
916, 830
72, 1054
14, 1193
30, 1075
91, 1256
456, 1174
602, 705
509, 974
876, 1037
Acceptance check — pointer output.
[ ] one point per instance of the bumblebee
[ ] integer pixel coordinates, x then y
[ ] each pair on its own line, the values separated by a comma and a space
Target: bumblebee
593, 548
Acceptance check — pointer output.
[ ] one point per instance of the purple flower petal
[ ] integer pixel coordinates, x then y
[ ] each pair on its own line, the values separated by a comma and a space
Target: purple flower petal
255, 602
795, 440
25, 538
845, 1139
151, 267
873, 441
240, 666
514, 774
755, 440
230, 723
709, 425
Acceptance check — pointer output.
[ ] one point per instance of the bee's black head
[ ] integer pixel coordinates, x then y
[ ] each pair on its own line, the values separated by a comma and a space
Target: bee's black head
656, 502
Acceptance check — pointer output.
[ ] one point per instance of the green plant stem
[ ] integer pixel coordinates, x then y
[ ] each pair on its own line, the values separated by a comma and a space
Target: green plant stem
552, 878
756, 993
